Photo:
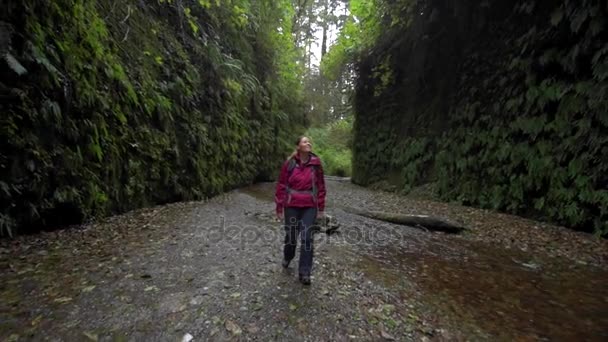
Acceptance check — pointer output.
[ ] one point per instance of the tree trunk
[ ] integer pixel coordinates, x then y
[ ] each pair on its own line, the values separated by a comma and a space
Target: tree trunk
325, 25
296, 24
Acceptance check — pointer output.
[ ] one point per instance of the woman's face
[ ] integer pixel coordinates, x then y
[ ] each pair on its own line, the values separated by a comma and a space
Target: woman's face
304, 145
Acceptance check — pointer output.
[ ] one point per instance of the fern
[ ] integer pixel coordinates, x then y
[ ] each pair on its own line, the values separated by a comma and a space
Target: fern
14, 64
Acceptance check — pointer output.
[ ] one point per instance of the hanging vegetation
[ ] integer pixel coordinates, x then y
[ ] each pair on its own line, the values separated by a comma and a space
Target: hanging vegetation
502, 104
111, 105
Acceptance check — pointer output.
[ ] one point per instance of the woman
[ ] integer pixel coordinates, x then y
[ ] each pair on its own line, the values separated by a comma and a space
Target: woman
300, 199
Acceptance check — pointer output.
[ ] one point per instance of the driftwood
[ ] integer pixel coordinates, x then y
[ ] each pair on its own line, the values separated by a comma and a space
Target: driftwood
425, 221
328, 225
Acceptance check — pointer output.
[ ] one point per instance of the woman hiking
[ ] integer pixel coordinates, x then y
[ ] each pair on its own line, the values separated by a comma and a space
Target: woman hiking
300, 199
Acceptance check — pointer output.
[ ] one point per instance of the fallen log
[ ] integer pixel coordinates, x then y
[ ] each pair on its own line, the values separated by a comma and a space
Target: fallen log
425, 221
337, 178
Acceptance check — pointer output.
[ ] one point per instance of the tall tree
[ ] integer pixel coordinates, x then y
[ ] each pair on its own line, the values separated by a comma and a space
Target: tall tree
313, 22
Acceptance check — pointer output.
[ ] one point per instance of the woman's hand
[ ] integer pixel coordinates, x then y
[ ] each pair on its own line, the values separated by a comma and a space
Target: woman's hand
280, 215
320, 215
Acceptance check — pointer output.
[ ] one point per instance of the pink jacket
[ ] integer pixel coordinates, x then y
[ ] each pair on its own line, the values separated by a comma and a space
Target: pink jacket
300, 181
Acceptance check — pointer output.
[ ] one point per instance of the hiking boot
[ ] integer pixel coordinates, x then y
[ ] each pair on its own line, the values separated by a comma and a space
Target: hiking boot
304, 279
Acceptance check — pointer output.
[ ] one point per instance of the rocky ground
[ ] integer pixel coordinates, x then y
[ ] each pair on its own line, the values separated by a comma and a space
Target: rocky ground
211, 271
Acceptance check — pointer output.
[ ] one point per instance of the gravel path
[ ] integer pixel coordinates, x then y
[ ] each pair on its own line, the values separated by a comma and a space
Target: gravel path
211, 270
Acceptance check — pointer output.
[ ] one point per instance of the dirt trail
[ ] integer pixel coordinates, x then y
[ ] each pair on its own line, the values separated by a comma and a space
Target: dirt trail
162, 273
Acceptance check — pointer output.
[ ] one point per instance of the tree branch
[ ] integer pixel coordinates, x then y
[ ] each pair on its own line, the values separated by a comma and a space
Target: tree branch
128, 14
126, 35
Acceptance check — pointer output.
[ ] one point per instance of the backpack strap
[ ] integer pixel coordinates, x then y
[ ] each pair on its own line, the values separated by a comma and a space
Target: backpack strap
291, 166
314, 185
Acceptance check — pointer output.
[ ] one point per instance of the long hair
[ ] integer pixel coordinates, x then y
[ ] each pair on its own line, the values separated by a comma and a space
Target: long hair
293, 154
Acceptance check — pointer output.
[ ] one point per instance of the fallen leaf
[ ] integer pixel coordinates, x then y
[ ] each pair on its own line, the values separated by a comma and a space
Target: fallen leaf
187, 338
151, 288
63, 300
125, 299
88, 289
233, 327
388, 308
91, 336
292, 307
302, 326
414, 317
235, 295
531, 265
386, 335
36, 320
252, 329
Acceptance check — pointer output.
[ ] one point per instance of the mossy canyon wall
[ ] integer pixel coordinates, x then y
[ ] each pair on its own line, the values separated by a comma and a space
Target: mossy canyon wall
502, 104
111, 105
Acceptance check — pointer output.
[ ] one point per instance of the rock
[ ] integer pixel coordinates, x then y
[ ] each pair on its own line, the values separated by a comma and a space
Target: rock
196, 300
328, 224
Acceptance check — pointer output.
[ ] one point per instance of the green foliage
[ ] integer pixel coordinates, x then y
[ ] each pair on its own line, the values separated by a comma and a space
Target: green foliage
332, 144
360, 31
126, 104
525, 130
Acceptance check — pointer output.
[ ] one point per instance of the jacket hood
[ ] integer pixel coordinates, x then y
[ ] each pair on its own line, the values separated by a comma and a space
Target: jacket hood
314, 159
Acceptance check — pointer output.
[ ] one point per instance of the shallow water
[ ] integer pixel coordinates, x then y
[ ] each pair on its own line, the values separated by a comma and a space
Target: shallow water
485, 291
507, 294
